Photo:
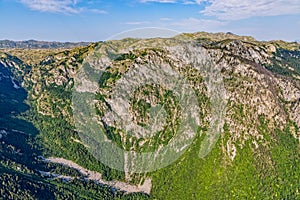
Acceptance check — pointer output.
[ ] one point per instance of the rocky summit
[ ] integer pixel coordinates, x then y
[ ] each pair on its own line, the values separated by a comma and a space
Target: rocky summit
196, 116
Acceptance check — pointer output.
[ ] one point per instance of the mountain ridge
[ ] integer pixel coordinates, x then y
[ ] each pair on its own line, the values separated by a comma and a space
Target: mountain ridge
257, 153
35, 44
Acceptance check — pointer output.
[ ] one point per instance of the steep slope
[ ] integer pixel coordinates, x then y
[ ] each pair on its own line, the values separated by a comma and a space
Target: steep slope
247, 94
25, 174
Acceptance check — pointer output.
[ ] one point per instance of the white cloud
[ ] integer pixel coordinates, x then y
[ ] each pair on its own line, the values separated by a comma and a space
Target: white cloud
240, 9
192, 2
194, 24
158, 1
59, 6
236, 9
187, 2
98, 11
165, 19
137, 23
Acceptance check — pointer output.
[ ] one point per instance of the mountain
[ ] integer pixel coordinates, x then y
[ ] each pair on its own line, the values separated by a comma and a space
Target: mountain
197, 116
33, 44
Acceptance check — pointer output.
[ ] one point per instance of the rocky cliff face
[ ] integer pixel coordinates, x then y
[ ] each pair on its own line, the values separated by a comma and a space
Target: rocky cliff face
246, 112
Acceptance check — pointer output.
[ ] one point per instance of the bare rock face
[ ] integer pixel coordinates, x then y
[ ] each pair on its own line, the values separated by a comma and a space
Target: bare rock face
250, 91
290, 92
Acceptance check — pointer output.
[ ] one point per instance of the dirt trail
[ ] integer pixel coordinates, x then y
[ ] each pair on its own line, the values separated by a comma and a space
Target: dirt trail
97, 177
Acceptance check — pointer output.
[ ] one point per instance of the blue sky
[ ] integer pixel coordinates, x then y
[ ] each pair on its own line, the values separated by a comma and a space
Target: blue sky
95, 20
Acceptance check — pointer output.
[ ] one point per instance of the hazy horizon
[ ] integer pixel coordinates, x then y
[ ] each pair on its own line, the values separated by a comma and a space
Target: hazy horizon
91, 21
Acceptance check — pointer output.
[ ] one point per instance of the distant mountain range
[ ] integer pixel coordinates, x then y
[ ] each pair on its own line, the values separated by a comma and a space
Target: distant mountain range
34, 44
